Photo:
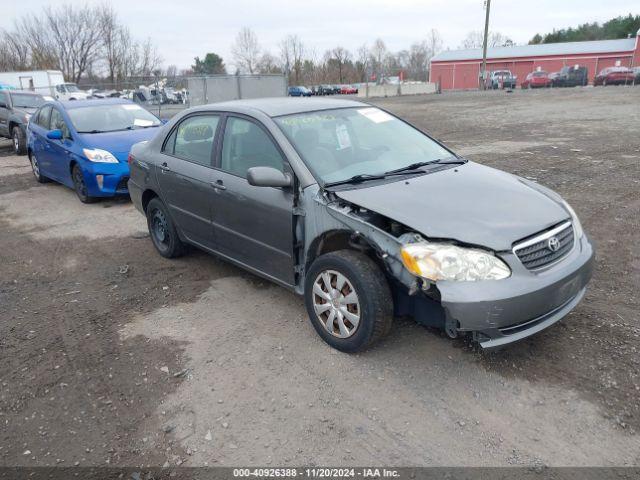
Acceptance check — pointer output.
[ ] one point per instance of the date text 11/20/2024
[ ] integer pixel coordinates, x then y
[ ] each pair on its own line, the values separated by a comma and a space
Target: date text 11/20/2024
316, 472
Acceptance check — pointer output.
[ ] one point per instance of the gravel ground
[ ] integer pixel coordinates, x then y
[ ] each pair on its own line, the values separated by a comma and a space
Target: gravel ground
114, 355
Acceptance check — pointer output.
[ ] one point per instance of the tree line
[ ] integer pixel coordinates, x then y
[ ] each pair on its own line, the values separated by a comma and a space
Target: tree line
304, 65
619, 27
82, 42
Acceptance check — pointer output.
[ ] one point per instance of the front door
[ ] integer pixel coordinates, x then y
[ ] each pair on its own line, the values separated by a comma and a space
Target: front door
253, 225
4, 115
185, 176
58, 151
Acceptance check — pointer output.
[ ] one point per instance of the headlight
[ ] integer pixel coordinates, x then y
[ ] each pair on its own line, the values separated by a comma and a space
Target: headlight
577, 226
440, 261
99, 156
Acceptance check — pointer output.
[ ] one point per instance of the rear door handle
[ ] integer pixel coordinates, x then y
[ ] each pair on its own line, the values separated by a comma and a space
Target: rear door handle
218, 185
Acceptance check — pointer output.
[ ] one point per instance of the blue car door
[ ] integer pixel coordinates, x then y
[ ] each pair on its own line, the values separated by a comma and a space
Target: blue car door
59, 150
39, 129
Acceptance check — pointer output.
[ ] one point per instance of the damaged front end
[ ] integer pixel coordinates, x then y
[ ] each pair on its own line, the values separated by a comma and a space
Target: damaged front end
495, 298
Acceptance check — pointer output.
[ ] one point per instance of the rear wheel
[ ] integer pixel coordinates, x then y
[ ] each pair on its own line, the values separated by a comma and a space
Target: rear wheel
348, 300
80, 185
19, 141
162, 230
35, 167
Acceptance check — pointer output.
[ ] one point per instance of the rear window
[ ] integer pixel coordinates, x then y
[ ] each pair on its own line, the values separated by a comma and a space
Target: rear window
21, 100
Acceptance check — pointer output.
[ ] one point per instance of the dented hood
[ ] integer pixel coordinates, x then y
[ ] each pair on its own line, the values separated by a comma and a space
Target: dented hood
470, 203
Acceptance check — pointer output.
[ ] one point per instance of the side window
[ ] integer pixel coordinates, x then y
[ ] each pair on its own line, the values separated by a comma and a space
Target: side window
246, 145
193, 139
4, 101
57, 123
43, 117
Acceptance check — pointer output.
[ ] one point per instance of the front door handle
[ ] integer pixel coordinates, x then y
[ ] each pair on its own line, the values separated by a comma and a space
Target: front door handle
164, 167
218, 185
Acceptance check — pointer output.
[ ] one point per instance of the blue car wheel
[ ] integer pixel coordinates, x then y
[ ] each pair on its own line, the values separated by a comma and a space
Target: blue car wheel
80, 186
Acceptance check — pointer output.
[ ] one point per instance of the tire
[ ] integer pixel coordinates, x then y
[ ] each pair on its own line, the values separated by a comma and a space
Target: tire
80, 186
162, 231
19, 141
371, 312
35, 168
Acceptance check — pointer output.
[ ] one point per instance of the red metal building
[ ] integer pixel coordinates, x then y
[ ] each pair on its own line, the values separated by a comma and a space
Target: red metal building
460, 69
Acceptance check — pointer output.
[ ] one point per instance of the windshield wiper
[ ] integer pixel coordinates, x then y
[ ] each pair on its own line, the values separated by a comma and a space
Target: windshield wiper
363, 177
417, 165
92, 131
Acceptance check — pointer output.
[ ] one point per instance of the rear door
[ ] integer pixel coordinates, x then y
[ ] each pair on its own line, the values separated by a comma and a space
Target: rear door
39, 130
253, 225
185, 176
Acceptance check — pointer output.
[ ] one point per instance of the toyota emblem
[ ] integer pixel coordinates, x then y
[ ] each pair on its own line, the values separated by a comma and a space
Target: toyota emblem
553, 244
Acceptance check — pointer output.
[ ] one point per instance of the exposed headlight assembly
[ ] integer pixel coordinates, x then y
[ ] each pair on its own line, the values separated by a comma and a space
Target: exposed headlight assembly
99, 156
442, 261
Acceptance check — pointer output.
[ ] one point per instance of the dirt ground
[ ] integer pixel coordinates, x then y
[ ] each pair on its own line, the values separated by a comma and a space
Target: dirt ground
113, 355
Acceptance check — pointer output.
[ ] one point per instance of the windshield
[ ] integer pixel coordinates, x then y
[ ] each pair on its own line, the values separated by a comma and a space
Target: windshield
338, 144
110, 118
20, 100
71, 87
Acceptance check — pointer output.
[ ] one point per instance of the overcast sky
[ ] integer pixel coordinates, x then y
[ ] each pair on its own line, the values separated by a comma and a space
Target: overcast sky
184, 29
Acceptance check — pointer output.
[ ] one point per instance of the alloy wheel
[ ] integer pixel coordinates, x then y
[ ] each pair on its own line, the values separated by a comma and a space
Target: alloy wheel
35, 167
78, 181
16, 143
336, 304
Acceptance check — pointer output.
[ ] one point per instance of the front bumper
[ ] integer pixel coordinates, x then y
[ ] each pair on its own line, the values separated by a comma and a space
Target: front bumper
500, 312
114, 179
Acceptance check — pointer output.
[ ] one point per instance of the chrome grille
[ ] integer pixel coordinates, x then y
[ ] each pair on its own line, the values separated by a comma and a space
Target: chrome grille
545, 248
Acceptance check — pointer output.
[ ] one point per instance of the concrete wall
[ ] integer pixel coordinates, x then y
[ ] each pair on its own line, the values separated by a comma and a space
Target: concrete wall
220, 88
394, 90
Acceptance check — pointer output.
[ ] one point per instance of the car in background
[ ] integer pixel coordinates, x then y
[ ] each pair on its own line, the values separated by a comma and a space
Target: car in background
348, 89
336, 89
325, 90
537, 79
574, 76
502, 79
553, 78
16, 107
85, 144
614, 76
299, 91
343, 203
70, 91
636, 73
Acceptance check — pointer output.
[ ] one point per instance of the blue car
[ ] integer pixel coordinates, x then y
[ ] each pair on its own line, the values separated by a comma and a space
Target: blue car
85, 144
299, 92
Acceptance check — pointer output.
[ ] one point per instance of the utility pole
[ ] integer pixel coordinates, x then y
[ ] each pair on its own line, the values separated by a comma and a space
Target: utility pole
487, 6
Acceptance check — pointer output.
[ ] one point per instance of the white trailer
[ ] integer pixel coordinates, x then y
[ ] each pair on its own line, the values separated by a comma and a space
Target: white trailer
45, 82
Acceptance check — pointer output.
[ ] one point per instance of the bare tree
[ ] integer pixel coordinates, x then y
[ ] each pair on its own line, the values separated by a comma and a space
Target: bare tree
434, 42
246, 51
291, 55
340, 56
475, 39
378, 55
362, 62
268, 64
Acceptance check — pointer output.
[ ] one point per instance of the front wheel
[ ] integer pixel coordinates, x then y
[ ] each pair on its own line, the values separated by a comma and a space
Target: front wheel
80, 186
162, 230
348, 300
19, 141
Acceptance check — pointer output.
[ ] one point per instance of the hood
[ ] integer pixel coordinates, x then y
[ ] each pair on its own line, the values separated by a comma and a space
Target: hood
23, 111
118, 143
471, 203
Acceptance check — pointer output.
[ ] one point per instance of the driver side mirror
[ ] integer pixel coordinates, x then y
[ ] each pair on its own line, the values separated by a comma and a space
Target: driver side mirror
268, 177
54, 134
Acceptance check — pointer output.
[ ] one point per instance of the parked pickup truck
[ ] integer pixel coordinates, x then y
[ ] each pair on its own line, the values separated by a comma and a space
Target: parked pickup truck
502, 79
16, 107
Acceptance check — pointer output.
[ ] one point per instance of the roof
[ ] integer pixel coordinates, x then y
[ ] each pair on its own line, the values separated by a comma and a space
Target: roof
541, 50
15, 91
71, 104
276, 106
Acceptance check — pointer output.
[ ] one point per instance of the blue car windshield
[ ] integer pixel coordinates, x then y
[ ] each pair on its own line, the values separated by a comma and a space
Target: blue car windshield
338, 144
111, 118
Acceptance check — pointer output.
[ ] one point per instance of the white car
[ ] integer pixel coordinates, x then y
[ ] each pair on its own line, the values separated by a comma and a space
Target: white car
70, 91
